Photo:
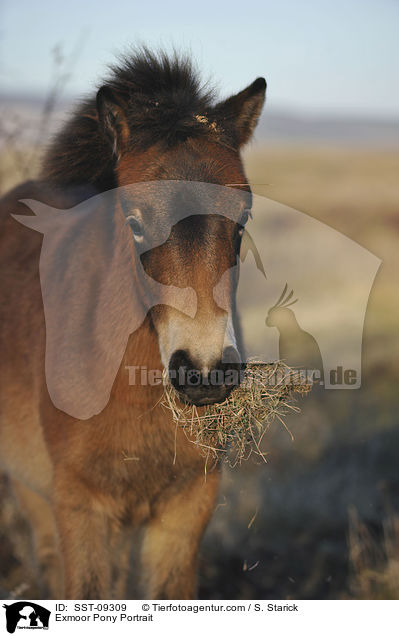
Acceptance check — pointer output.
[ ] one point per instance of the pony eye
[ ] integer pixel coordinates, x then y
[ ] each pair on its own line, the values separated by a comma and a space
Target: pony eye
243, 221
136, 227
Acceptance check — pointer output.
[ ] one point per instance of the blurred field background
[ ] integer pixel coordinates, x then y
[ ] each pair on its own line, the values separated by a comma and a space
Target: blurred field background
320, 519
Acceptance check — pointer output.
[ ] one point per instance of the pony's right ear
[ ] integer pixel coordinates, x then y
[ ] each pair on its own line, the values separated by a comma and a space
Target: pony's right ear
112, 119
241, 111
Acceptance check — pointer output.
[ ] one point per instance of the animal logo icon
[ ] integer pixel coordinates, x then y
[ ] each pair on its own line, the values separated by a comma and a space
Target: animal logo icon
26, 615
297, 348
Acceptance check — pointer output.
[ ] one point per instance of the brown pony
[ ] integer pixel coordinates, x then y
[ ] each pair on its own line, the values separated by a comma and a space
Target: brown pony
88, 485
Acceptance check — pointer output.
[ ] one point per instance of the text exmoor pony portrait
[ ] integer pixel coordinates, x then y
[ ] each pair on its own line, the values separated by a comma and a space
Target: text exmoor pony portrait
87, 485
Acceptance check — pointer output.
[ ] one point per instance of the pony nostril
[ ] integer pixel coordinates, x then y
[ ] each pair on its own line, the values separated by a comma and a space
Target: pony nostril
179, 365
232, 367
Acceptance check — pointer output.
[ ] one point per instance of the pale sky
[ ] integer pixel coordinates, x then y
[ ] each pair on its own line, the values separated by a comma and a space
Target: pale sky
322, 57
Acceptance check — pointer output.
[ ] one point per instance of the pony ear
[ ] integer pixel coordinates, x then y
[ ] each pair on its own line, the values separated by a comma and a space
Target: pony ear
112, 119
241, 112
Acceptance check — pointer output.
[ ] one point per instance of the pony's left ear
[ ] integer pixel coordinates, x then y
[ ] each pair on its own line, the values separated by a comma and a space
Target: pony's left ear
112, 119
240, 113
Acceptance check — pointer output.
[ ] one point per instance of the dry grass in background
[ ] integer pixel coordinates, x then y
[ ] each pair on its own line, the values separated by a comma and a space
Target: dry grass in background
374, 562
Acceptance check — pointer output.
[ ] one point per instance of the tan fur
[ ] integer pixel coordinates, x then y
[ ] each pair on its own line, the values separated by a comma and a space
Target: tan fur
90, 486
118, 470
126, 468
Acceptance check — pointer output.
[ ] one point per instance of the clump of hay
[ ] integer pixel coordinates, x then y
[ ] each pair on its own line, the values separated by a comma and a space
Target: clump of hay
235, 427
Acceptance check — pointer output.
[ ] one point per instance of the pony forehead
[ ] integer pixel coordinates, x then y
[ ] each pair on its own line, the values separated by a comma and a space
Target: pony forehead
206, 198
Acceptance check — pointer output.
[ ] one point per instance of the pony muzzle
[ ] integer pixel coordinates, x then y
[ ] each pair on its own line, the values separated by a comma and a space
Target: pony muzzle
205, 384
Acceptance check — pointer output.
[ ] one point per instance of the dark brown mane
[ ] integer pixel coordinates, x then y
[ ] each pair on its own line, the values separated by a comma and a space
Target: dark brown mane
163, 100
